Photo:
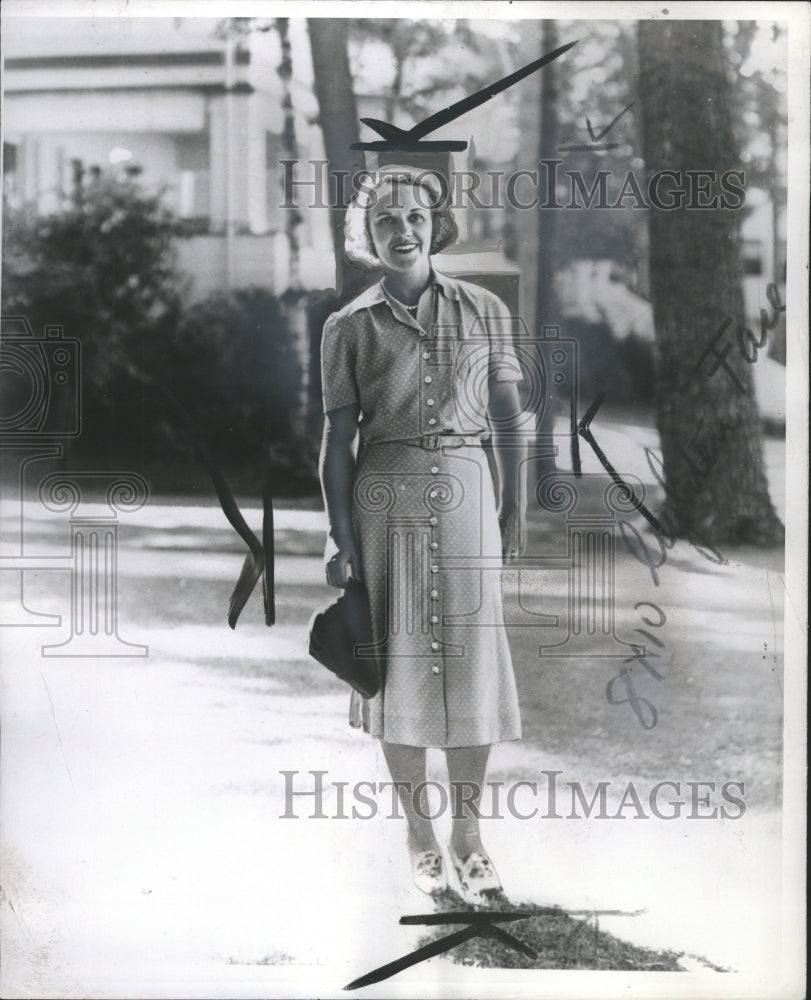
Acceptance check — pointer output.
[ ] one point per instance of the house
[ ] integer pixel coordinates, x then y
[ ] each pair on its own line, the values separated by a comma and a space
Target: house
200, 116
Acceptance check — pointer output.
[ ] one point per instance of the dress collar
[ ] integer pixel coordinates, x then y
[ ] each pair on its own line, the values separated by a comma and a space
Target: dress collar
448, 286
377, 294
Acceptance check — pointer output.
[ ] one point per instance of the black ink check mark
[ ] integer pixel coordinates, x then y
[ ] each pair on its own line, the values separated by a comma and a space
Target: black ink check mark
609, 126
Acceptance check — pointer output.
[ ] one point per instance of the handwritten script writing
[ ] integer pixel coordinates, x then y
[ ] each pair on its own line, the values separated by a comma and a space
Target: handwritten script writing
644, 710
748, 344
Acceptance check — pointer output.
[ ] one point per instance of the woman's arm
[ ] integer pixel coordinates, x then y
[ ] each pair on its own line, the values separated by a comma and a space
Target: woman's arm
337, 470
509, 449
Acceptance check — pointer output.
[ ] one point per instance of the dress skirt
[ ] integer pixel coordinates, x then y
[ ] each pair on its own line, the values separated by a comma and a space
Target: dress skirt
431, 556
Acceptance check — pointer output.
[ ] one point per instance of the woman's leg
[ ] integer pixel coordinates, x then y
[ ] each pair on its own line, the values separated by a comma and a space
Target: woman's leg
407, 767
467, 767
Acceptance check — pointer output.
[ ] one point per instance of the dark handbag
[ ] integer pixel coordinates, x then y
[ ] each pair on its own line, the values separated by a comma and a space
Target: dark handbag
337, 633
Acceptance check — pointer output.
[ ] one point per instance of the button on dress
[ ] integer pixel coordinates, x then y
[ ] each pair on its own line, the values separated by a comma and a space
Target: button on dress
425, 518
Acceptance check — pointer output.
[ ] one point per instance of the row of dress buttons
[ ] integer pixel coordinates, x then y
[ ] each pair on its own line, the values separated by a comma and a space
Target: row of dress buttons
428, 380
435, 669
434, 618
434, 597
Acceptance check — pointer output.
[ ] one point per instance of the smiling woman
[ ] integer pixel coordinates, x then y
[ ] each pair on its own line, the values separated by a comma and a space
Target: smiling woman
429, 195
401, 235
421, 366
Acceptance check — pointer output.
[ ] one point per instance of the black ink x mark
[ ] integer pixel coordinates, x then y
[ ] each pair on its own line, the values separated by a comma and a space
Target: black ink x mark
479, 925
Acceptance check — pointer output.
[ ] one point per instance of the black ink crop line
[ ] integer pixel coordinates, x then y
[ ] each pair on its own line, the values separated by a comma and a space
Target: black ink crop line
585, 433
480, 924
589, 148
499, 934
431, 950
635, 501
399, 139
259, 559
455, 111
483, 917
575, 448
502, 916
591, 412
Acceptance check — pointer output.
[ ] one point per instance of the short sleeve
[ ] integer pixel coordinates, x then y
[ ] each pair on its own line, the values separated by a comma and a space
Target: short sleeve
338, 382
504, 363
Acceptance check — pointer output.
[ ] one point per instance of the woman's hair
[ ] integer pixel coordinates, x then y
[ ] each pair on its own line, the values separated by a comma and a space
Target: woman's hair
359, 246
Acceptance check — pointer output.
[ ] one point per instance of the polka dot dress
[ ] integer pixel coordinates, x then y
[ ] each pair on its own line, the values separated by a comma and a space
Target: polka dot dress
425, 517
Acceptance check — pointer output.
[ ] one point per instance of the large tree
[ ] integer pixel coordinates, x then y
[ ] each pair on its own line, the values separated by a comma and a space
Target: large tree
711, 439
548, 134
338, 114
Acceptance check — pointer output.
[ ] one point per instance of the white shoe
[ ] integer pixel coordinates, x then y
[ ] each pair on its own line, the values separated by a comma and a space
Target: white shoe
428, 871
477, 876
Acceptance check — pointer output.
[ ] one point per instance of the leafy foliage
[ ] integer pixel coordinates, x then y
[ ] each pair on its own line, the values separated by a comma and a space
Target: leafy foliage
413, 45
103, 268
234, 365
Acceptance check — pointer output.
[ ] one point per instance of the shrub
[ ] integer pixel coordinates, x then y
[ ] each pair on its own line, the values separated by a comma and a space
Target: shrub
104, 269
234, 363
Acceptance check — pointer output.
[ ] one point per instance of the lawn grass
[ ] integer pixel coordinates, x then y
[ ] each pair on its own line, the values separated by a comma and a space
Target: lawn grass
559, 940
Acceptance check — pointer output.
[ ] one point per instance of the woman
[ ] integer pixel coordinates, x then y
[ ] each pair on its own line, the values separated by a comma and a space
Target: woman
423, 367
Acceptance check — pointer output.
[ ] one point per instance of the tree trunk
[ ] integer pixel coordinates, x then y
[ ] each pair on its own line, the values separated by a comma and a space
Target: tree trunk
711, 438
338, 117
338, 109
546, 308
396, 92
293, 218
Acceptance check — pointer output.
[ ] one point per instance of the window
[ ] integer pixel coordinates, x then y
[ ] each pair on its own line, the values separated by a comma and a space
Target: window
10, 180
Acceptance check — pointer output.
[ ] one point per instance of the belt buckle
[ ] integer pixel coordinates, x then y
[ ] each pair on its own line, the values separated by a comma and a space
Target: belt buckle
430, 442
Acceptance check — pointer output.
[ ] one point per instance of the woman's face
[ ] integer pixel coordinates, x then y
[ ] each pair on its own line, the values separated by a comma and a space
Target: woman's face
400, 225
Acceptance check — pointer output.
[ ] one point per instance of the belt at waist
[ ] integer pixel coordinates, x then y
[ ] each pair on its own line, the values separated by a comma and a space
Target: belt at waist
433, 442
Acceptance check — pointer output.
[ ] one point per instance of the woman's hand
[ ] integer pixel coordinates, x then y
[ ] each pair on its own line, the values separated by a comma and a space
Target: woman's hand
343, 565
512, 529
